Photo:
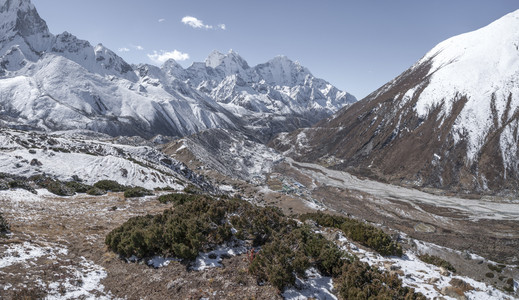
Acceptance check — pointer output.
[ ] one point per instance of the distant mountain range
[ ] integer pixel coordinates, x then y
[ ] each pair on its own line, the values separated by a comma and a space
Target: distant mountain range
450, 121
59, 82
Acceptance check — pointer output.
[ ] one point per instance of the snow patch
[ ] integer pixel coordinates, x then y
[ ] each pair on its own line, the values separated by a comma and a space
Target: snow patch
314, 286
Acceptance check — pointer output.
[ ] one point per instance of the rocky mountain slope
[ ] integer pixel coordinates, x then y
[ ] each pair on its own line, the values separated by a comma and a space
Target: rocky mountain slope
450, 121
276, 96
229, 153
67, 156
59, 82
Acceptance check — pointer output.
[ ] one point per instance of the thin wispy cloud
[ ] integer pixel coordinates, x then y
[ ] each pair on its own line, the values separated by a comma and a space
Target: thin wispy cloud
124, 49
199, 24
139, 47
162, 20
162, 56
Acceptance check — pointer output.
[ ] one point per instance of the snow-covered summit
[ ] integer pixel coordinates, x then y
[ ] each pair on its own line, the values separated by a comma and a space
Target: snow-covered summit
60, 82
22, 29
483, 67
20, 16
283, 72
231, 61
449, 121
280, 94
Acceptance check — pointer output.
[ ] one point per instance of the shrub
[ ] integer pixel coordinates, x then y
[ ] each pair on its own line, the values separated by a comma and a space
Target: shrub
294, 252
358, 280
4, 226
78, 187
489, 275
198, 223
509, 286
365, 234
183, 232
94, 191
192, 189
3, 185
60, 189
110, 185
435, 260
287, 249
177, 198
21, 184
496, 268
137, 192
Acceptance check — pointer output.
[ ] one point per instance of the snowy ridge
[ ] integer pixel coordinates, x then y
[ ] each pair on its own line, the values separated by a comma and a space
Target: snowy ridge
482, 66
228, 152
430, 280
63, 157
60, 82
451, 121
278, 87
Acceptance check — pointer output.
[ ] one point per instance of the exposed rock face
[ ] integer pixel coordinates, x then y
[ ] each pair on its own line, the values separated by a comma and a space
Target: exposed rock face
230, 153
451, 121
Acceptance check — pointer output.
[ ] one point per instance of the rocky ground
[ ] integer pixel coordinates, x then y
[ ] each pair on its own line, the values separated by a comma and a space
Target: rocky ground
56, 250
475, 235
56, 246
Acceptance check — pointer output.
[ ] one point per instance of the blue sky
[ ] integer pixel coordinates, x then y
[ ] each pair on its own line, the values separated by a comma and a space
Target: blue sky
356, 45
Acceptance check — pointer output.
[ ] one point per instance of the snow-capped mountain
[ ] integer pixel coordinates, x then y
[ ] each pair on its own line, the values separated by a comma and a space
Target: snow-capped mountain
276, 96
59, 82
450, 121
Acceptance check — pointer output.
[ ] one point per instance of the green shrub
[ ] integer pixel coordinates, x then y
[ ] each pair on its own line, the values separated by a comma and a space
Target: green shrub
4, 226
496, 268
137, 192
94, 191
365, 234
78, 187
192, 189
489, 275
21, 184
110, 185
435, 260
60, 189
293, 252
274, 264
183, 232
358, 280
200, 223
177, 198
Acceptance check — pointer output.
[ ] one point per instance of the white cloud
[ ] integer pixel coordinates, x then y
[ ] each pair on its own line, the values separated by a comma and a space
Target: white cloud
162, 20
162, 56
222, 26
195, 23
139, 47
124, 49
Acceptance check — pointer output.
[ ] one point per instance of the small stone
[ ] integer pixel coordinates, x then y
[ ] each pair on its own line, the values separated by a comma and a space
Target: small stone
35, 162
433, 280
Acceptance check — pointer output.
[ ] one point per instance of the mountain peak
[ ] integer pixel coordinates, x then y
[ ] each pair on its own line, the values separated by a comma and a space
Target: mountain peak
15, 5
231, 60
214, 59
20, 17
